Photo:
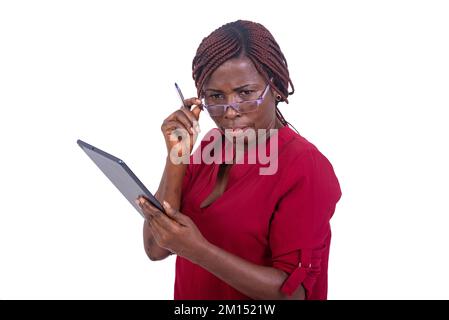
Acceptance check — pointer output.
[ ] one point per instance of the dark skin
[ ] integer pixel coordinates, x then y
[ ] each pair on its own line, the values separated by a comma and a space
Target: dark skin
176, 232
232, 81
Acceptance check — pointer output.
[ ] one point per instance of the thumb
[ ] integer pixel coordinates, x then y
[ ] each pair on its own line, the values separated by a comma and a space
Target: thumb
175, 214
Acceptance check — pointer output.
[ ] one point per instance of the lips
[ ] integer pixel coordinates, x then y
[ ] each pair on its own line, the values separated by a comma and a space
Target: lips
239, 129
234, 129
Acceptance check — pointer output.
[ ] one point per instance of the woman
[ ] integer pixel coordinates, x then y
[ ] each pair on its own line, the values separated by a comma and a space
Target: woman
237, 233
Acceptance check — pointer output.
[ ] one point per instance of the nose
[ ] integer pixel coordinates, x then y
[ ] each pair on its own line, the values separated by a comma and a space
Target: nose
231, 113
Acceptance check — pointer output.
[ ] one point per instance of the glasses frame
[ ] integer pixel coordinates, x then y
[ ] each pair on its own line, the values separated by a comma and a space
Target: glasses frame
236, 105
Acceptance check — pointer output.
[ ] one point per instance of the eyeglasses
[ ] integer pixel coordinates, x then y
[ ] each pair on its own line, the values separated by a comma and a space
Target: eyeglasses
217, 110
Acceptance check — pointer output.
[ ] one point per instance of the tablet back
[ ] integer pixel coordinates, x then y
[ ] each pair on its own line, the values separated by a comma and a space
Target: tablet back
120, 175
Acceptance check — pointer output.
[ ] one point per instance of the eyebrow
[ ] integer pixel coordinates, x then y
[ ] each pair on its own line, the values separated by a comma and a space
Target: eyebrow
235, 89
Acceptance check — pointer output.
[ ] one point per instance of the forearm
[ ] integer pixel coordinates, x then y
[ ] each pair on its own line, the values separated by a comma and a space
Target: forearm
171, 184
169, 190
153, 251
255, 281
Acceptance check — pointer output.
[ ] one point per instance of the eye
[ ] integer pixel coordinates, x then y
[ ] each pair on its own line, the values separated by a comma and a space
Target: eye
246, 92
216, 96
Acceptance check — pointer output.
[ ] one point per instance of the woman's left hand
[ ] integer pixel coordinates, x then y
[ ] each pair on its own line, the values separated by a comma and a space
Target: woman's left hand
175, 231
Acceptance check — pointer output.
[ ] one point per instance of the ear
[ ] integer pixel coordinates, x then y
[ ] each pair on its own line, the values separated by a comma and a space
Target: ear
275, 96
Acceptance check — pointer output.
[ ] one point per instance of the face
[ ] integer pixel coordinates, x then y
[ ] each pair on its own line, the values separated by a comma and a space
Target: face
234, 81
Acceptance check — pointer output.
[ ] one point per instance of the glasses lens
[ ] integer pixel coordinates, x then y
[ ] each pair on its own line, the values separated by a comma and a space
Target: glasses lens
247, 106
215, 110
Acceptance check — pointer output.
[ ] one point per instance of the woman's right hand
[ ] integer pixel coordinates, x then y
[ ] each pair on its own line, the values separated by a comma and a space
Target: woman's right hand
181, 128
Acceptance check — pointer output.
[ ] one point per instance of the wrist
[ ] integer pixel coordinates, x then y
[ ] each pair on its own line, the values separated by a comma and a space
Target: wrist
176, 164
202, 253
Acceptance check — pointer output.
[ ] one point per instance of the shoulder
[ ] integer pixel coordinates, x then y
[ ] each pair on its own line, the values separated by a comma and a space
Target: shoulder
305, 166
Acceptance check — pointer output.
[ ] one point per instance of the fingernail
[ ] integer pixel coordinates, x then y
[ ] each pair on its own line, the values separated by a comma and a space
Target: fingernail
166, 204
136, 202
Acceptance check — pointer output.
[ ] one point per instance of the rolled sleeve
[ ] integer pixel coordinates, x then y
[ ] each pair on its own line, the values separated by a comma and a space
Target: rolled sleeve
300, 230
303, 267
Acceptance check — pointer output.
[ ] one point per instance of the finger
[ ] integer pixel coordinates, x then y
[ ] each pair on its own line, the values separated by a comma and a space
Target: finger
155, 223
155, 229
195, 105
190, 115
159, 234
164, 222
160, 228
173, 125
197, 110
193, 119
171, 212
157, 216
137, 202
175, 214
179, 134
192, 101
163, 225
176, 128
146, 215
185, 120
148, 209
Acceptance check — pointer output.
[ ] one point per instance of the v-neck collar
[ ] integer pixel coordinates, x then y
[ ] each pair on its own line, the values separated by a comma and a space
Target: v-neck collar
238, 170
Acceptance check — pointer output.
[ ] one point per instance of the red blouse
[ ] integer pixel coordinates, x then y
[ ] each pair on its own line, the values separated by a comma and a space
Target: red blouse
279, 220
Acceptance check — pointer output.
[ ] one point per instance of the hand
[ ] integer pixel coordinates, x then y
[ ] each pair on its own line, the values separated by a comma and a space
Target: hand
182, 124
175, 232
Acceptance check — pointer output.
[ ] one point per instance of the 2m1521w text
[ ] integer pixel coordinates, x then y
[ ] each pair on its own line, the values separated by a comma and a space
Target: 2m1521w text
246, 309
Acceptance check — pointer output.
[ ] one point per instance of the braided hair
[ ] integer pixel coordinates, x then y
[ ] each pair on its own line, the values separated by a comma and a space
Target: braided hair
244, 38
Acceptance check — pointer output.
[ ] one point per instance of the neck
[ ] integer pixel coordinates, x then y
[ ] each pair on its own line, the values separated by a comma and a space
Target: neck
279, 124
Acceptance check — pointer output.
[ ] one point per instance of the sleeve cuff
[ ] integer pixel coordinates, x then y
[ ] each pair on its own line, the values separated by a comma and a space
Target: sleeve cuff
294, 280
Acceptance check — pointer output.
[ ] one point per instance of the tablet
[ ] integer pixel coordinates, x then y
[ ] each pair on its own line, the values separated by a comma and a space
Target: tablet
120, 175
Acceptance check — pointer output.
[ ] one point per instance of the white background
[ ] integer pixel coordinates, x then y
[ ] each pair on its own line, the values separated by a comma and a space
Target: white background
371, 79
